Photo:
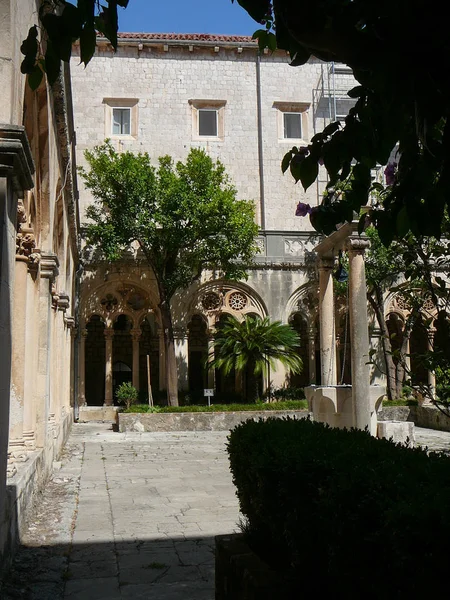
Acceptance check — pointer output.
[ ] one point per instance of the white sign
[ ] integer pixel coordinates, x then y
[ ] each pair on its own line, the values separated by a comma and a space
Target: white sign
208, 392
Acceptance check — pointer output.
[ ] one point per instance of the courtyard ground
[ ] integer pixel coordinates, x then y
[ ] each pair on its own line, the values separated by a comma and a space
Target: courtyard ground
133, 516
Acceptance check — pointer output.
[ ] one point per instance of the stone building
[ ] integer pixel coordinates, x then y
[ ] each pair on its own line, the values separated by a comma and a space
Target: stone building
166, 93
38, 262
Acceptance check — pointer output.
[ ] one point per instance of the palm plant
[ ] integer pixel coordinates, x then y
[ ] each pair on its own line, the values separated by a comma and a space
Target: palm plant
253, 346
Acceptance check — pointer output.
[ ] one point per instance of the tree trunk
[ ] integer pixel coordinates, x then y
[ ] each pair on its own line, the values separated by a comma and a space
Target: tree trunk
170, 356
252, 391
378, 307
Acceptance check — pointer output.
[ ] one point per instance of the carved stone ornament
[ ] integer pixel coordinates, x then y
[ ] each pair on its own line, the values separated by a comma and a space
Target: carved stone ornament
294, 247
63, 301
211, 301
237, 301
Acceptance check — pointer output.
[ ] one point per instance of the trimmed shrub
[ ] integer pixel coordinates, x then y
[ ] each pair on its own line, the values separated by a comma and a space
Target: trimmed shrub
342, 507
289, 405
126, 394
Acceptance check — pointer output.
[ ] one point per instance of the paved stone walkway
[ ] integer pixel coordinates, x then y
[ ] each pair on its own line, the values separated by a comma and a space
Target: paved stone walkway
133, 516
128, 516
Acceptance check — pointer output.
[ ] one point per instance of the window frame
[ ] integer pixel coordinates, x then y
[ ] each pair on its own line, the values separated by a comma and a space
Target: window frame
218, 106
121, 103
300, 108
121, 108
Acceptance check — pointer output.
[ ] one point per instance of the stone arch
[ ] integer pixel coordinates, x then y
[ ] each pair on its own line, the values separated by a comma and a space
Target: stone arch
222, 297
304, 304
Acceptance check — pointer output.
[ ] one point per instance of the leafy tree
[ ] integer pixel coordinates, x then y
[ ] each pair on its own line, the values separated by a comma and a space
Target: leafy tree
403, 101
185, 218
253, 346
62, 24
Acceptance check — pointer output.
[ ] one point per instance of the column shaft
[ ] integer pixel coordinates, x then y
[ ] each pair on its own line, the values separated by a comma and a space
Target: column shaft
327, 323
135, 336
359, 332
109, 334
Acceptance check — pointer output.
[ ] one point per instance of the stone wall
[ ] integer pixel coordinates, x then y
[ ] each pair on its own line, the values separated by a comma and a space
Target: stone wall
38, 262
219, 421
423, 416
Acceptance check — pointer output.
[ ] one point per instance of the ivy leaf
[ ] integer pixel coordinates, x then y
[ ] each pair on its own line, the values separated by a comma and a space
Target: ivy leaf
308, 171
52, 63
35, 77
402, 222
286, 161
88, 40
357, 92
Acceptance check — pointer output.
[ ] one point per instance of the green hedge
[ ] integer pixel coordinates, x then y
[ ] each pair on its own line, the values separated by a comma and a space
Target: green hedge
356, 516
288, 405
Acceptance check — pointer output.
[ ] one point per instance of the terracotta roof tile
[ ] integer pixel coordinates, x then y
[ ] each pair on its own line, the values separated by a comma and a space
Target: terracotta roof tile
194, 37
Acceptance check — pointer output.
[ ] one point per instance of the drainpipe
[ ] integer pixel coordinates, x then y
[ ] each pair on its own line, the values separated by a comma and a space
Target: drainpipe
260, 143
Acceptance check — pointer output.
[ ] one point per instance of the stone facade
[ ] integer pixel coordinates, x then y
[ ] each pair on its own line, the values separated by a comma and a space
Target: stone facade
38, 262
161, 83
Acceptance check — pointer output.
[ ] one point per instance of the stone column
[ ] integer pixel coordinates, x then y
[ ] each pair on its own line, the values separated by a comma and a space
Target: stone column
109, 335
312, 353
25, 246
48, 272
162, 361
135, 336
431, 375
182, 354
211, 374
16, 439
359, 331
327, 322
82, 368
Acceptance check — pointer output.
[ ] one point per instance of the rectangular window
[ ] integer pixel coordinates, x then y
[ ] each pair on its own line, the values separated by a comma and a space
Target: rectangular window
208, 119
207, 122
292, 125
121, 121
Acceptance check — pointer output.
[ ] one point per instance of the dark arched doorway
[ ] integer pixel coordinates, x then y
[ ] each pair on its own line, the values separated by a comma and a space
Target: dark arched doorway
198, 351
95, 362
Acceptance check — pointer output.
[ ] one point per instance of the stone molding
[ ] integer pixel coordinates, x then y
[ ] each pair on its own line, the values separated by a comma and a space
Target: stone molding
357, 244
16, 160
49, 265
63, 301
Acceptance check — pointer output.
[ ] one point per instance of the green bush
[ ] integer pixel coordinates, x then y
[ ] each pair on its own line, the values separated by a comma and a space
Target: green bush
285, 393
289, 405
342, 507
126, 394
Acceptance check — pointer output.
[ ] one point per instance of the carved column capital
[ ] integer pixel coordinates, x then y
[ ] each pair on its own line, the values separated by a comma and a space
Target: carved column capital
108, 333
357, 244
326, 263
84, 333
136, 334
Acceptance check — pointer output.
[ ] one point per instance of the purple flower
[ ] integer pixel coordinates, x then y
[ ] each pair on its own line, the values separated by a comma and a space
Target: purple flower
302, 209
390, 173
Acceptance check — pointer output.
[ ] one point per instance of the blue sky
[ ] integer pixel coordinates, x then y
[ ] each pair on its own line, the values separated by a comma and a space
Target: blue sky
186, 16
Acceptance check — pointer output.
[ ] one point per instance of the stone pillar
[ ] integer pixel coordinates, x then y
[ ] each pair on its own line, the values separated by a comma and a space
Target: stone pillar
327, 322
109, 335
211, 374
359, 331
82, 368
25, 246
135, 336
182, 354
162, 361
312, 354
16, 176
16, 439
431, 375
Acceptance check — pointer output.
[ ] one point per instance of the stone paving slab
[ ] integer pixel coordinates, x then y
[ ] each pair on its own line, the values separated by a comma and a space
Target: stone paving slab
133, 516
128, 516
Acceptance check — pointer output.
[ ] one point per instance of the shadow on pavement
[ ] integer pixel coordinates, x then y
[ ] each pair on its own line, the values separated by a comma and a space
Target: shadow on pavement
151, 569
